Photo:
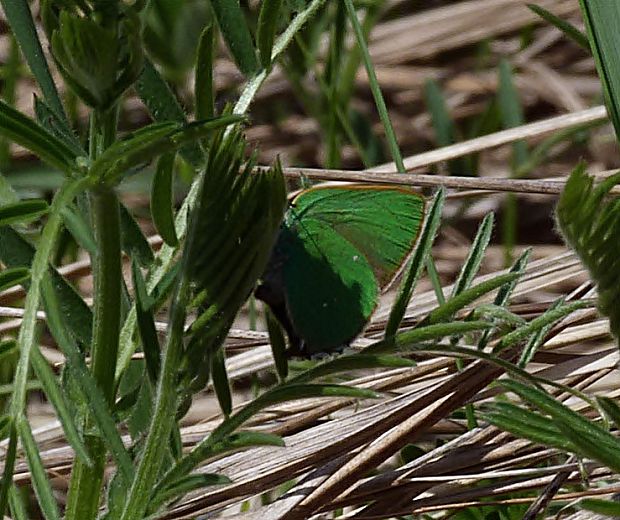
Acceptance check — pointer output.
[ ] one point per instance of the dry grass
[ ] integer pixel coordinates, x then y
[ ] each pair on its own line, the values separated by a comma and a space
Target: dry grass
343, 454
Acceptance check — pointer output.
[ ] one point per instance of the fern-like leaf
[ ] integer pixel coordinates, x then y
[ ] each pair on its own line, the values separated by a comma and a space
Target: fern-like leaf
590, 223
234, 226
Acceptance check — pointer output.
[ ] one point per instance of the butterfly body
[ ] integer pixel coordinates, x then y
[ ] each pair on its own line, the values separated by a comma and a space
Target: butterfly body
338, 247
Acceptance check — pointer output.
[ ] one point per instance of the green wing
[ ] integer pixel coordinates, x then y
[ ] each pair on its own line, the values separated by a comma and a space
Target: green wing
381, 222
330, 288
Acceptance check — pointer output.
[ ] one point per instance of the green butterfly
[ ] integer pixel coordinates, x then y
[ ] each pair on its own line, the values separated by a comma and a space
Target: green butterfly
338, 247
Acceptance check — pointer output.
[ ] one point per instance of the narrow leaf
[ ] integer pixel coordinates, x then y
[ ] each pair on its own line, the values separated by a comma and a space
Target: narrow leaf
268, 19
468, 296
236, 34
474, 259
87, 385
234, 442
57, 398
151, 142
416, 264
220, 381
203, 82
611, 409
18, 15
567, 28
133, 241
79, 229
278, 344
11, 277
162, 206
188, 484
32, 136
40, 482
22, 212
146, 324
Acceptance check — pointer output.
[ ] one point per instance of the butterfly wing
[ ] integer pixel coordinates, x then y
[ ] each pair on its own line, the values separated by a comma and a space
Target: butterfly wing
382, 223
330, 288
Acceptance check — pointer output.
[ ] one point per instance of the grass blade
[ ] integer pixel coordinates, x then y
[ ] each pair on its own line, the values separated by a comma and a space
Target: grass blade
18, 15
602, 21
236, 34
162, 204
22, 212
416, 264
40, 482
567, 28
203, 82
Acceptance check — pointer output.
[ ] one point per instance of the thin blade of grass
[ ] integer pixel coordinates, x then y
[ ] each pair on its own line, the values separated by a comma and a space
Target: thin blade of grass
40, 482
416, 264
18, 15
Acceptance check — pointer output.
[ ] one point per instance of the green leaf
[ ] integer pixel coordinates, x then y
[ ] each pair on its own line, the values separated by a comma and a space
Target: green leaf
162, 204
403, 340
536, 339
602, 21
346, 364
589, 439
203, 82
236, 34
53, 123
15, 251
220, 381
29, 134
602, 507
374, 87
57, 398
188, 484
567, 28
22, 212
276, 395
268, 19
416, 264
472, 263
146, 324
150, 142
549, 317
611, 409
443, 125
453, 305
40, 482
16, 503
14, 276
278, 344
526, 424
88, 387
511, 110
504, 293
233, 228
9, 463
27, 333
164, 107
79, 229
18, 15
133, 241
234, 442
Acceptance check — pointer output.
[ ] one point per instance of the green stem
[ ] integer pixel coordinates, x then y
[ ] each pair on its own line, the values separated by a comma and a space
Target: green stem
87, 481
163, 415
375, 89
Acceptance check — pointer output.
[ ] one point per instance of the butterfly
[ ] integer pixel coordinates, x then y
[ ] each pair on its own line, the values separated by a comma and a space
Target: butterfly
338, 247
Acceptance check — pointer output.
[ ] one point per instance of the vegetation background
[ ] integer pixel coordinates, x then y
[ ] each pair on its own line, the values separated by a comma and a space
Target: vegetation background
485, 98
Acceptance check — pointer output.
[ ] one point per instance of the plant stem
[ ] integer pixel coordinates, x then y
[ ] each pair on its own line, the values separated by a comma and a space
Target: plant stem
163, 415
86, 482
